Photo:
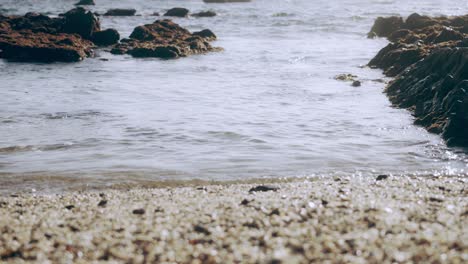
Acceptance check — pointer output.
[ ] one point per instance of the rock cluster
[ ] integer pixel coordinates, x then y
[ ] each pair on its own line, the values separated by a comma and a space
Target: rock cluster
165, 39
36, 37
429, 58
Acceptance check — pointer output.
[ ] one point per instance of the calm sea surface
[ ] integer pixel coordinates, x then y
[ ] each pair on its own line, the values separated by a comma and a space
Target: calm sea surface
267, 106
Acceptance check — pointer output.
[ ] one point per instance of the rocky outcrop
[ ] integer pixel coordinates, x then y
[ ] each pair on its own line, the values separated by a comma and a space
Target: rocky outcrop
120, 12
165, 39
436, 90
177, 12
36, 37
429, 59
44, 47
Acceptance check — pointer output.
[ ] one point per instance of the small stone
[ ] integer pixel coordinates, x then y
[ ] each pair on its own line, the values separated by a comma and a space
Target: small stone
201, 229
274, 212
245, 202
382, 177
435, 199
356, 84
102, 203
139, 211
69, 207
263, 188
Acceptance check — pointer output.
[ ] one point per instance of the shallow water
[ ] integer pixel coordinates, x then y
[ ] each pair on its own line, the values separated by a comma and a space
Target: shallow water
267, 106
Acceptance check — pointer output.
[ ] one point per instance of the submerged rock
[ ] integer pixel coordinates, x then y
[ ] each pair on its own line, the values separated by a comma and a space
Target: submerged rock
205, 14
120, 12
165, 39
85, 2
429, 58
177, 12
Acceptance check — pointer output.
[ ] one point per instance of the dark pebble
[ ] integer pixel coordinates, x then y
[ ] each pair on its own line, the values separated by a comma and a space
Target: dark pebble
201, 229
382, 177
69, 207
139, 211
356, 84
437, 200
245, 202
274, 212
263, 188
102, 203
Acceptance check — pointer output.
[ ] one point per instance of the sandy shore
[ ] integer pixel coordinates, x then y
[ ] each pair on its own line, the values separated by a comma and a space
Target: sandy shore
355, 220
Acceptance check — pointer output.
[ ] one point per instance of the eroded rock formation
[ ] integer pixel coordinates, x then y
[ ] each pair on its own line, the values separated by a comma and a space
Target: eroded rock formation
429, 59
36, 37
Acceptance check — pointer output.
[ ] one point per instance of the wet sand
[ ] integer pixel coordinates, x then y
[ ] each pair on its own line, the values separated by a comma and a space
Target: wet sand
355, 220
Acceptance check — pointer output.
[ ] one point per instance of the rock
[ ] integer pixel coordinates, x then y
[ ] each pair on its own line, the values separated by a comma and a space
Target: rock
348, 78
102, 203
85, 2
448, 34
384, 26
345, 77
69, 207
177, 12
394, 58
416, 21
139, 211
206, 34
435, 89
81, 22
263, 188
201, 229
381, 177
35, 37
120, 12
155, 14
245, 202
164, 39
106, 37
44, 47
399, 35
205, 14
356, 84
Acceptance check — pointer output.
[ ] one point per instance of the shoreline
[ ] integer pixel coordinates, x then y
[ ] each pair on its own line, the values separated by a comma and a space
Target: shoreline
339, 219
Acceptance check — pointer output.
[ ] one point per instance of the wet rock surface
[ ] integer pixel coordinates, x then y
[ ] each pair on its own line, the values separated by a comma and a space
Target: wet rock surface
68, 38
429, 59
354, 220
85, 2
177, 12
120, 12
165, 39
204, 14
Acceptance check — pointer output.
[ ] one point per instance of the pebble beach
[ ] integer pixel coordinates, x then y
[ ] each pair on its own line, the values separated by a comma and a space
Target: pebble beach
323, 220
